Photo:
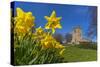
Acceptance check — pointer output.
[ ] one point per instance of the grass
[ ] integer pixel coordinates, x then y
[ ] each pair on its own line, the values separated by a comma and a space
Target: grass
76, 54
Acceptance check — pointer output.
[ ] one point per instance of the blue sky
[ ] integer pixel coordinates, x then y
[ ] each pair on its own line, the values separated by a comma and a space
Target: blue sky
72, 15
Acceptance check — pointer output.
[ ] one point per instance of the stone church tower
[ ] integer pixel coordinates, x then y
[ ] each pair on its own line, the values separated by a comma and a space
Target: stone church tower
76, 35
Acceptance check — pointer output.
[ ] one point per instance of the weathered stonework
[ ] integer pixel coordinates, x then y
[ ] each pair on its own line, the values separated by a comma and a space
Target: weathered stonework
76, 35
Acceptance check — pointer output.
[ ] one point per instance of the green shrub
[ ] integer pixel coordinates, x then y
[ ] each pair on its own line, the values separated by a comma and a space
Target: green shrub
88, 45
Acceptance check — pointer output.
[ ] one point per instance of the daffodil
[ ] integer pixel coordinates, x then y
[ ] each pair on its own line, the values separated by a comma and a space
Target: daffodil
24, 21
47, 42
39, 34
39, 30
58, 45
53, 22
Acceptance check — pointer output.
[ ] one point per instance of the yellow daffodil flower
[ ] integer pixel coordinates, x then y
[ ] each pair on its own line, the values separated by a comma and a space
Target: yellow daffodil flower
53, 22
39, 30
24, 21
58, 45
47, 42
50, 42
39, 34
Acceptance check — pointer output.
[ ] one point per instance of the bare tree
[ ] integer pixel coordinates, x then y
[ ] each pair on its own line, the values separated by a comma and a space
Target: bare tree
68, 37
58, 37
92, 30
